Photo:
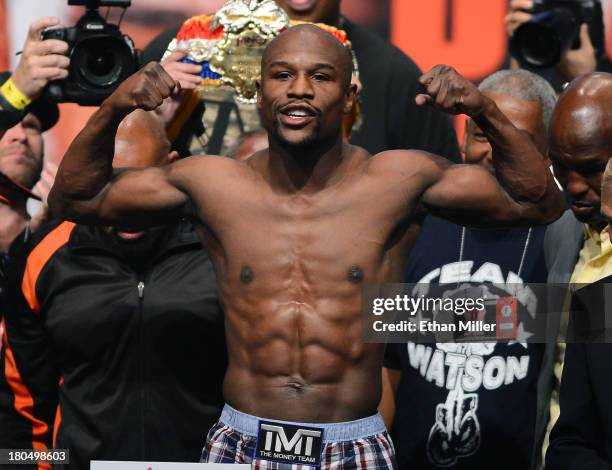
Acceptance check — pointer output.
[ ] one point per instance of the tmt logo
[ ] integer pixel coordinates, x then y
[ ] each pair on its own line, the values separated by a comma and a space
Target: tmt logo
289, 443
284, 444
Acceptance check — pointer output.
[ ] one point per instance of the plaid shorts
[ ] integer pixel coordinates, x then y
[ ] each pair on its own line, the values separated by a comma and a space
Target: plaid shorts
363, 444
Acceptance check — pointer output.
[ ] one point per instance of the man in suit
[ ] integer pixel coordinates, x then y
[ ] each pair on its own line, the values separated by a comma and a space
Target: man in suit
581, 437
580, 149
577, 246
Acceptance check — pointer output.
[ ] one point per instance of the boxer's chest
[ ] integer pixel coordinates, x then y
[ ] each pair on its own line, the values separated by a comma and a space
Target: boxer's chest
338, 236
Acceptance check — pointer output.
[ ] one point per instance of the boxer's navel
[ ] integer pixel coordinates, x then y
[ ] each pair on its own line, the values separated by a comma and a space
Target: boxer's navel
246, 275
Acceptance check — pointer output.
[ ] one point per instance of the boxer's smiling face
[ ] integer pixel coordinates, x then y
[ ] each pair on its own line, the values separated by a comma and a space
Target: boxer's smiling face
305, 87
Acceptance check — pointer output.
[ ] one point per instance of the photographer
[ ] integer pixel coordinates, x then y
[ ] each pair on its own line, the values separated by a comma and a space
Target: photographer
576, 61
24, 116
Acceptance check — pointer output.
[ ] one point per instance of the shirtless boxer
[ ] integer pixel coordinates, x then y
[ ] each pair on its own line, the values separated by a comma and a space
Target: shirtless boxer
296, 230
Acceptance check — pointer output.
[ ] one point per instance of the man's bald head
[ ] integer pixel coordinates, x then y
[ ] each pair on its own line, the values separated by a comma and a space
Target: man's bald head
314, 39
581, 142
583, 115
141, 142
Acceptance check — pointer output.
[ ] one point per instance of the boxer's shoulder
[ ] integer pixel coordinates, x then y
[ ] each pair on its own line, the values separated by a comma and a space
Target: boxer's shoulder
404, 164
202, 175
208, 167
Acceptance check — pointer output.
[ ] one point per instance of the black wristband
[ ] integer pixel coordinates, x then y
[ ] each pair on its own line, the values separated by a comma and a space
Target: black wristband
9, 116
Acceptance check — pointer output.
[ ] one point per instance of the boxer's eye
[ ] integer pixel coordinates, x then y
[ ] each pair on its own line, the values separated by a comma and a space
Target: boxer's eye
282, 75
320, 77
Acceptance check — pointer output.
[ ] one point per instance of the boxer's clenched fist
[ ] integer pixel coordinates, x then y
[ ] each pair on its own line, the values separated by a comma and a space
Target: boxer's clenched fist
146, 89
447, 90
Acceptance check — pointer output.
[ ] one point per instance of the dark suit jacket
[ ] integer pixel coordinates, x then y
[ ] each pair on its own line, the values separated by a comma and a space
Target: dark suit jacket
582, 437
562, 244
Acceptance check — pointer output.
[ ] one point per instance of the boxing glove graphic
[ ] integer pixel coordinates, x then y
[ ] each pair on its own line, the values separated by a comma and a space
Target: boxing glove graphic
456, 432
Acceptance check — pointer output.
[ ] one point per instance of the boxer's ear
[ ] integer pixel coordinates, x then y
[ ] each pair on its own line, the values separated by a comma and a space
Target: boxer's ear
258, 86
351, 96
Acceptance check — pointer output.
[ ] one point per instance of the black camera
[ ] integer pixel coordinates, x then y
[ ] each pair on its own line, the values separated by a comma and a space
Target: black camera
101, 57
555, 28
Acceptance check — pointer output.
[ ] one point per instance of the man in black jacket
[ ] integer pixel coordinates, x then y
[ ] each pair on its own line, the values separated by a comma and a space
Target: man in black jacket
123, 331
24, 116
390, 119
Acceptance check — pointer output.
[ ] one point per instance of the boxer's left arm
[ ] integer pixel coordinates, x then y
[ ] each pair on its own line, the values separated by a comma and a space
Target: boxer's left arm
523, 189
470, 195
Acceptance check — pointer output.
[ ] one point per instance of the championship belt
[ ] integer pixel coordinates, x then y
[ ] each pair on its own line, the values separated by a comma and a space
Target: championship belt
229, 46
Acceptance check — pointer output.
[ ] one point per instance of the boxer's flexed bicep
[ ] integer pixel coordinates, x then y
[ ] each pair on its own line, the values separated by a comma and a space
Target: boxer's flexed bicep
470, 195
158, 195
464, 194
133, 197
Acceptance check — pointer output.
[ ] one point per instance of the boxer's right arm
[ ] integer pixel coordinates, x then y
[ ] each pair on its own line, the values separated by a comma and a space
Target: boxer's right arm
87, 189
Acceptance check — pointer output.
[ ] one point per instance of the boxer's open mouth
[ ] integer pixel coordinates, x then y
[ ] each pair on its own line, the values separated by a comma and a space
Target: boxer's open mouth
301, 5
297, 115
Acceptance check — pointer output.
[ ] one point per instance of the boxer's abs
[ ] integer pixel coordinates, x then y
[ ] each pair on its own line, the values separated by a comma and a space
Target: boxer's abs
300, 362
291, 292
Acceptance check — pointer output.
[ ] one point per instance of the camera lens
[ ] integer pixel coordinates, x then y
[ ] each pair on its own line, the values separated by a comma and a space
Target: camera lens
538, 45
101, 61
542, 41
